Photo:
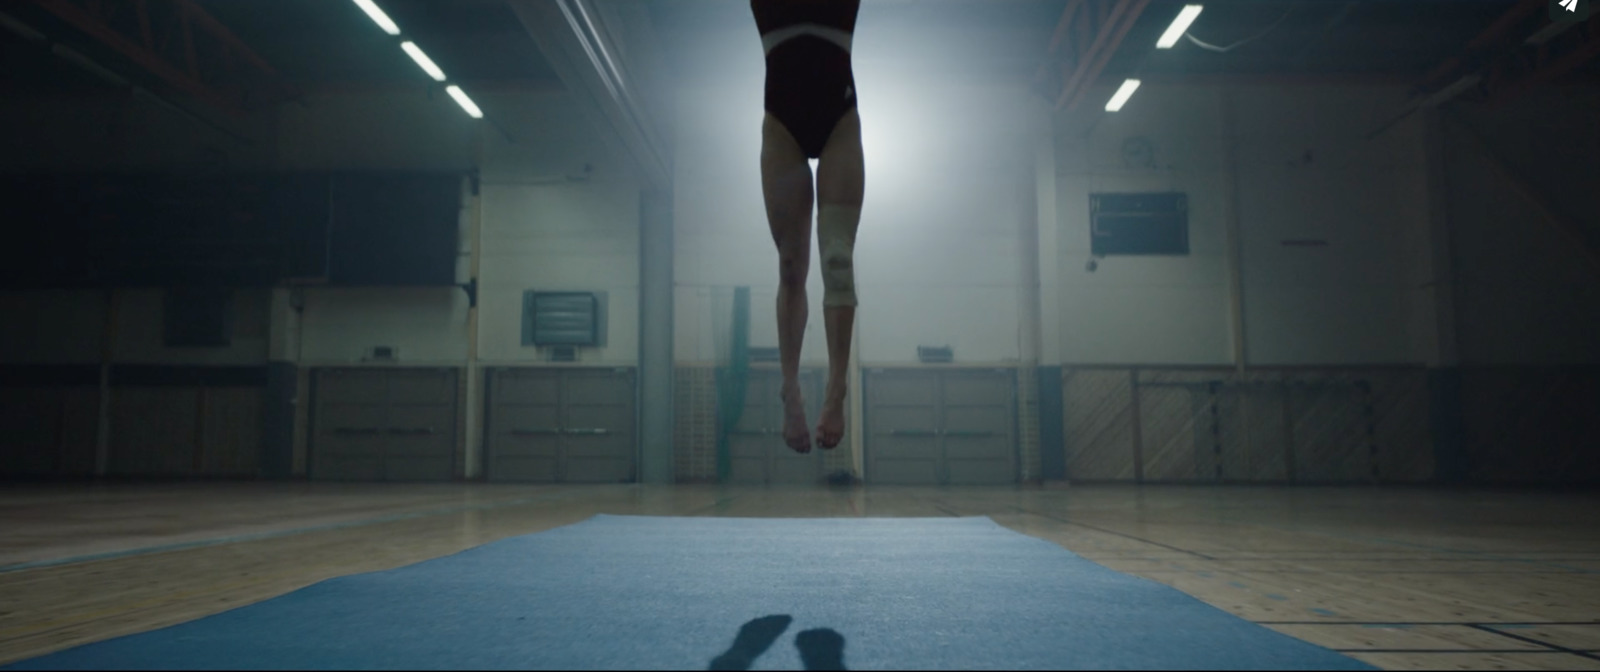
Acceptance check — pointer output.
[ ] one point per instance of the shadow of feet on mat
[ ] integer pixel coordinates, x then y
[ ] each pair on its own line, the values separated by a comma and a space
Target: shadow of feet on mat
820, 648
754, 639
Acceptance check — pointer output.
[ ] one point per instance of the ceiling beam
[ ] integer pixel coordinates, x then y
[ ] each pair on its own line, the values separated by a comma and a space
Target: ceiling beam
475, 86
1573, 230
585, 55
143, 48
1068, 16
1549, 66
1503, 61
1338, 18
1116, 27
1498, 35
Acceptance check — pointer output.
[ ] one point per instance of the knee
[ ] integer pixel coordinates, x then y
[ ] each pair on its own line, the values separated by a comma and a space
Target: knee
793, 267
838, 274
836, 230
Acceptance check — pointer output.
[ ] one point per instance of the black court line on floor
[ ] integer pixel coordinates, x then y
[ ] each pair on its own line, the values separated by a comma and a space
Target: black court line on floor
1064, 521
1489, 624
1530, 640
1546, 647
1352, 572
721, 502
1481, 651
1319, 556
273, 534
1486, 555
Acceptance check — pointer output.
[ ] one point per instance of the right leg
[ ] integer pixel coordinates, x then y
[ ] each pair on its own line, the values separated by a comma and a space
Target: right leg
841, 174
786, 187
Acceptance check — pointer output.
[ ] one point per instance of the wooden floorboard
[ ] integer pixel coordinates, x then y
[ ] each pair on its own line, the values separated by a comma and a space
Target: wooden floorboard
1405, 578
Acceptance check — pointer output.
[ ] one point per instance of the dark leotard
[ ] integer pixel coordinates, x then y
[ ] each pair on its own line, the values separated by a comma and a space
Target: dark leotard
810, 84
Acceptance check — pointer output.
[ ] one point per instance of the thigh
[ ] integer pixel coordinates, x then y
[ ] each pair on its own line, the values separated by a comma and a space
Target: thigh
841, 171
785, 184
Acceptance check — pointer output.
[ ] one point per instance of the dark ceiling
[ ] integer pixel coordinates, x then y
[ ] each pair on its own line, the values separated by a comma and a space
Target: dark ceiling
311, 45
1308, 37
330, 44
332, 41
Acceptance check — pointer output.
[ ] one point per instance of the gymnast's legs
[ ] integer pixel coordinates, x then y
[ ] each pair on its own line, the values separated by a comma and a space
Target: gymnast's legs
786, 184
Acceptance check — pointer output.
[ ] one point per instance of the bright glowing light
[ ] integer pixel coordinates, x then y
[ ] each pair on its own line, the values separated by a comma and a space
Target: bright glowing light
1179, 26
1122, 95
423, 60
465, 102
378, 17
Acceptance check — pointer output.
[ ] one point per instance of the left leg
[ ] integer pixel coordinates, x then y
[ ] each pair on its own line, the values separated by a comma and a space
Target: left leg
841, 175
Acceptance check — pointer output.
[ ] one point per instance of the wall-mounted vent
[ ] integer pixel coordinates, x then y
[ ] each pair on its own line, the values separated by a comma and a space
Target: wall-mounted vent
928, 354
561, 318
763, 354
563, 353
1139, 224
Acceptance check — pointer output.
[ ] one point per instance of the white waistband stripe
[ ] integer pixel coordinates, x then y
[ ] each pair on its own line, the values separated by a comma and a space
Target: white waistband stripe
834, 35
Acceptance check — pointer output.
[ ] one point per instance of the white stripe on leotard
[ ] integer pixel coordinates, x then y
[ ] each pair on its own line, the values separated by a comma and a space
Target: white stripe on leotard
834, 35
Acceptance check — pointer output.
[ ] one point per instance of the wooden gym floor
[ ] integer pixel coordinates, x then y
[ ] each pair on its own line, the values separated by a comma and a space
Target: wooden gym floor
1404, 578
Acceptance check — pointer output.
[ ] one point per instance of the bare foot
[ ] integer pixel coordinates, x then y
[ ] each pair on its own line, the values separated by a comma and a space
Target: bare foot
830, 426
794, 419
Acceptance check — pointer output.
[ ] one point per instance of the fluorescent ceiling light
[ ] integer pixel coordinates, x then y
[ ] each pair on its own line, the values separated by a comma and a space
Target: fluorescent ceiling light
423, 60
1179, 26
378, 17
465, 102
1122, 95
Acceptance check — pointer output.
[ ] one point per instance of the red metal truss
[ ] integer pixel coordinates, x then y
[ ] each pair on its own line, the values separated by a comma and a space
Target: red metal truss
1507, 64
179, 42
1552, 60
1091, 67
1069, 16
1499, 36
1084, 39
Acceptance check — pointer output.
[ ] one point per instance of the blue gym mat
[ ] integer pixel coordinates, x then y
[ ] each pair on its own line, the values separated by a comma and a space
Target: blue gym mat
640, 592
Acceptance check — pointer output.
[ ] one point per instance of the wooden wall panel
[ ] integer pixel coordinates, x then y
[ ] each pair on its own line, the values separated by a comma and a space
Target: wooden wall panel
1097, 424
153, 431
30, 430
1532, 424
1176, 425
1255, 441
1405, 438
231, 431
1332, 441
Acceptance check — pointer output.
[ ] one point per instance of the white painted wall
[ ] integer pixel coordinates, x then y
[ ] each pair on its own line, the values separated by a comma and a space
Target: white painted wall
1525, 293
67, 326
405, 129
540, 229
1345, 303
52, 327
560, 237
1350, 302
1170, 310
117, 130
140, 326
428, 326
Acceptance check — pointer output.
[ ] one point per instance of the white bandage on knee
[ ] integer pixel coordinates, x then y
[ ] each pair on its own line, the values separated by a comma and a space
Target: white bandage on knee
836, 240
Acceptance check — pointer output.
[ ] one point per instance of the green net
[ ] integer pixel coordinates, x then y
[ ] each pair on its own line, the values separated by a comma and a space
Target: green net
733, 375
